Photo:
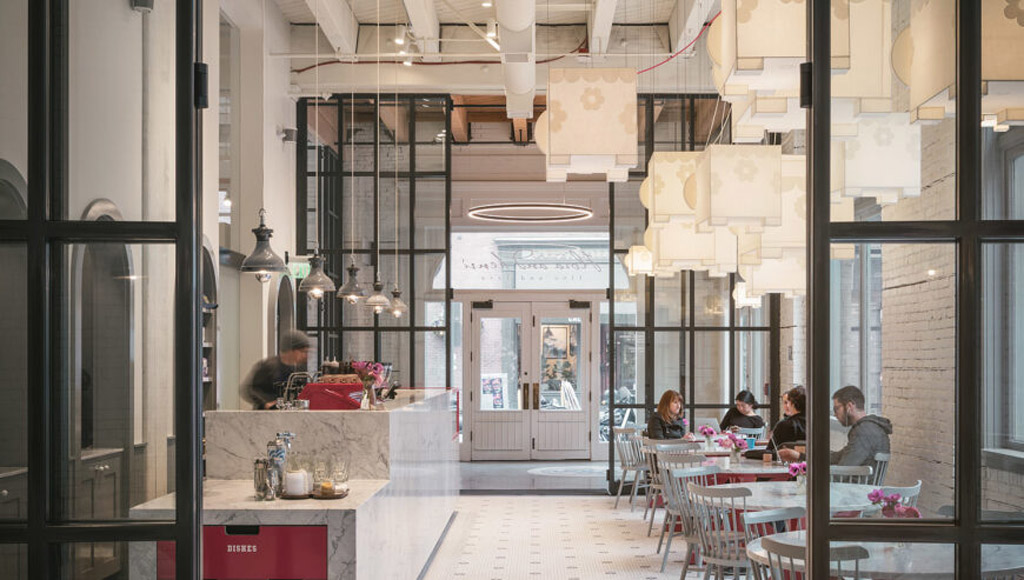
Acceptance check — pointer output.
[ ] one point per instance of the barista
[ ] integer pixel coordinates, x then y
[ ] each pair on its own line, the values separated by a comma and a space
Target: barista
268, 377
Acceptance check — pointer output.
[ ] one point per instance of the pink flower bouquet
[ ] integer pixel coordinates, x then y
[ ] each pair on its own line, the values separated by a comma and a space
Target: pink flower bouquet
706, 430
369, 372
799, 468
733, 441
891, 506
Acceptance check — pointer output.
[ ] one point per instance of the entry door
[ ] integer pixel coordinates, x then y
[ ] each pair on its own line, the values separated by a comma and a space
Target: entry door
530, 373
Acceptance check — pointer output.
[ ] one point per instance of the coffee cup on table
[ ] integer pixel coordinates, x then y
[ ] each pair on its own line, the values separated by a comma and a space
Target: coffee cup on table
751, 442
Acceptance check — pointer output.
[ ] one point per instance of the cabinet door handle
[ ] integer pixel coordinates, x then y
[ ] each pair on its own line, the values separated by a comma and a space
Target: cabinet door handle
3, 493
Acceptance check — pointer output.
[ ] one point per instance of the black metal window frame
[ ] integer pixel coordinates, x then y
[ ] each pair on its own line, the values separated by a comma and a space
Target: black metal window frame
330, 324
45, 233
687, 330
968, 232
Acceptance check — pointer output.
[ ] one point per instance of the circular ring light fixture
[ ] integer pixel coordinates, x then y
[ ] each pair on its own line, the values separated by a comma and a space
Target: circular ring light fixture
531, 212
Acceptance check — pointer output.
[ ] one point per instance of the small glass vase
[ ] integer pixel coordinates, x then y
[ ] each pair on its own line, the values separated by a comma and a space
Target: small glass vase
708, 443
735, 453
369, 401
801, 482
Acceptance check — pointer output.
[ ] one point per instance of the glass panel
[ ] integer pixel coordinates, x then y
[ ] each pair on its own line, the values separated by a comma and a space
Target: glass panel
712, 300
120, 133
541, 261
388, 275
81, 561
670, 300
430, 212
387, 213
1002, 99
670, 124
356, 345
500, 363
1002, 316
429, 358
560, 363
360, 132
669, 368
358, 314
909, 412
228, 140
711, 367
394, 116
752, 358
117, 380
430, 135
630, 215
357, 230
14, 110
428, 300
873, 559
395, 349
629, 368
897, 163
631, 302
14, 382
623, 418
751, 316
14, 561
1002, 561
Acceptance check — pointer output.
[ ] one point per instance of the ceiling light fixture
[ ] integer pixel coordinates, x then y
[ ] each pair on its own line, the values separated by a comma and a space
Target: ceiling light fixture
317, 282
377, 301
262, 261
531, 212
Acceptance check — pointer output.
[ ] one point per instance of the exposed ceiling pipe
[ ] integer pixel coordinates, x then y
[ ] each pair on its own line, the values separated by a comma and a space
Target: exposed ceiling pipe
517, 29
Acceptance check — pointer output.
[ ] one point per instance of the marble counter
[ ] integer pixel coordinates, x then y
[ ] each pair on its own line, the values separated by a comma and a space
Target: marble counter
403, 487
362, 438
766, 495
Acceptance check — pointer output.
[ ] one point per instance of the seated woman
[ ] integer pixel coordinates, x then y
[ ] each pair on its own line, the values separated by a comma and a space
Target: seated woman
742, 415
667, 420
792, 428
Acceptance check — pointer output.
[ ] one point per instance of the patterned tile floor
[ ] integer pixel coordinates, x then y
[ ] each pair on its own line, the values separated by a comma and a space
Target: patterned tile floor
565, 537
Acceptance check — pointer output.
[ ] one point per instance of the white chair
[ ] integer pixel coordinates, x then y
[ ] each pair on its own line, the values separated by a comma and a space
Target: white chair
850, 473
676, 476
787, 560
767, 522
722, 540
881, 466
755, 432
908, 495
679, 454
629, 461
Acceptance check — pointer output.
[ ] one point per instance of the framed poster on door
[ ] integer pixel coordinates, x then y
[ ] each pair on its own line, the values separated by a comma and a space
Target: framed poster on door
493, 389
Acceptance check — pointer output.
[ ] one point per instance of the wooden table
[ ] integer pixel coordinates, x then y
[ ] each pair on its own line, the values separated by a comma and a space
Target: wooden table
911, 561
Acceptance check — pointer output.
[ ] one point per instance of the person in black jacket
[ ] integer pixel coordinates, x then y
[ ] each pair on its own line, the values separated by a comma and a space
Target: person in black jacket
868, 434
742, 415
667, 421
793, 427
267, 378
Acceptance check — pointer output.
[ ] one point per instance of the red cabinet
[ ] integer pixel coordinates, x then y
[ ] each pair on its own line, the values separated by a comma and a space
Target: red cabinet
257, 553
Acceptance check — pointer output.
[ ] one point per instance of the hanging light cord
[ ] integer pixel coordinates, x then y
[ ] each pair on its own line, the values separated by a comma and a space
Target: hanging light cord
316, 129
352, 177
396, 175
376, 162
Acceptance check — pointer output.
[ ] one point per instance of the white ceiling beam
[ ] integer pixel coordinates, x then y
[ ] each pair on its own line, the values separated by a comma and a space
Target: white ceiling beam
686, 20
425, 26
337, 22
599, 25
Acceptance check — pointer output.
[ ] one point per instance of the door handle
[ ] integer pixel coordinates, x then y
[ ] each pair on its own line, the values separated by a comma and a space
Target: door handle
536, 396
526, 396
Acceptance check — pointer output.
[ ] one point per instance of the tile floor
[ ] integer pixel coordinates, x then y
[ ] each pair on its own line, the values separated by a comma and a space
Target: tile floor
517, 476
566, 537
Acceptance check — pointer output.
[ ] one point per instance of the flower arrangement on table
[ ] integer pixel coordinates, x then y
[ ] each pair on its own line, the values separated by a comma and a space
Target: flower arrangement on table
372, 374
733, 442
891, 505
797, 469
707, 430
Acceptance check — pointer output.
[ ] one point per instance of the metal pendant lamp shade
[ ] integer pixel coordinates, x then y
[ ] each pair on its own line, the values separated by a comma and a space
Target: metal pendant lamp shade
317, 283
378, 301
262, 261
398, 306
352, 291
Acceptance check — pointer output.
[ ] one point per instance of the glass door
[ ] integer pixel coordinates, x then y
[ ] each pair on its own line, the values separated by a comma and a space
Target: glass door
559, 407
501, 375
530, 368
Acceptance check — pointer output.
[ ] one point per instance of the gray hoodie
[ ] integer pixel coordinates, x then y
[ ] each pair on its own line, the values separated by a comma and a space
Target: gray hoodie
868, 436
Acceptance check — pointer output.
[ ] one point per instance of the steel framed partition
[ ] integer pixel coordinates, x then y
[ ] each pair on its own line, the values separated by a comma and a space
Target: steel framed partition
967, 232
688, 329
45, 232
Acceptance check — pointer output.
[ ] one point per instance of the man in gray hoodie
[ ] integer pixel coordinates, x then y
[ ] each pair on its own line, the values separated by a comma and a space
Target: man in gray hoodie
868, 435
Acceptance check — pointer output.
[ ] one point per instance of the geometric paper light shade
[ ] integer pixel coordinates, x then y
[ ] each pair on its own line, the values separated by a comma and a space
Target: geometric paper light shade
738, 185
590, 125
664, 192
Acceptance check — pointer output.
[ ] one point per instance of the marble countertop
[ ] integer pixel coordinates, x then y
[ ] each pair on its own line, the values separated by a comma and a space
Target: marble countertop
767, 495
748, 466
227, 501
910, 560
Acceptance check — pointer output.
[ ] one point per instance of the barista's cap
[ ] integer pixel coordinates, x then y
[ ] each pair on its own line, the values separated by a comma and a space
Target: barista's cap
293, 340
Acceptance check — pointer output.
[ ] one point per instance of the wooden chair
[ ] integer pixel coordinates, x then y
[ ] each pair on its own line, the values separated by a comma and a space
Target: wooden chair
787, 560
850, 473
767, 522
629, 461
683, 451
677, 476
719, 528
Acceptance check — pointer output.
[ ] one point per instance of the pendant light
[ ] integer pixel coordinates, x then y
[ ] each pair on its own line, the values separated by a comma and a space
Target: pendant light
262, 261
398, 306
378, 301
352, 292
317, 282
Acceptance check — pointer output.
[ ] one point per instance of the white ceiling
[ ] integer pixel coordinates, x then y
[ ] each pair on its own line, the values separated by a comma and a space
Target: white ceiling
548, 12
